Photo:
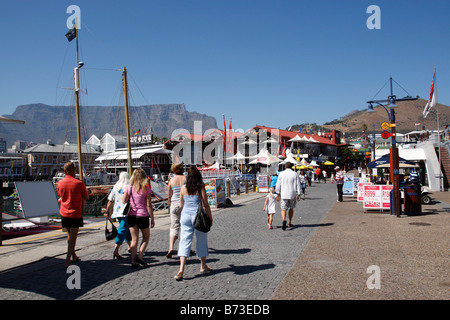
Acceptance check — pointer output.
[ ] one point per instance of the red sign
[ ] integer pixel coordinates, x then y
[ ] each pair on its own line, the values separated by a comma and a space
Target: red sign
372, 196
385, 134
386, 196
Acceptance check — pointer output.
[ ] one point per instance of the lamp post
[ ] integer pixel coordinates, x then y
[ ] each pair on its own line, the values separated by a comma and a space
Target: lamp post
394, 163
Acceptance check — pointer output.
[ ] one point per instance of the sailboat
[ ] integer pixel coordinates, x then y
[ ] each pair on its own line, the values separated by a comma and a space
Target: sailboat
97, 191
71, 35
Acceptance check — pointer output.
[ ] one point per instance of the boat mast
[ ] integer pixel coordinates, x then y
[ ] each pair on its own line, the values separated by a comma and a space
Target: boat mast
125, 93
77, 106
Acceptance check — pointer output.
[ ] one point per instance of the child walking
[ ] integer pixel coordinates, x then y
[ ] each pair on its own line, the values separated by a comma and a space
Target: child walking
269, 206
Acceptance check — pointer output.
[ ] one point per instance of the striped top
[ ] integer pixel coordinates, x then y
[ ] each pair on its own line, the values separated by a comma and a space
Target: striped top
339, 177
176, 194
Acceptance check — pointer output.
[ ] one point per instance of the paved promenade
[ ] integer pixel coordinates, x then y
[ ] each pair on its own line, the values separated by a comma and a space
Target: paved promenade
326, 255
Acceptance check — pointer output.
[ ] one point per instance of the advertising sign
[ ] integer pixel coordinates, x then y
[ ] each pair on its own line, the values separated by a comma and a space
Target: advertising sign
355, 183
215, 191
263, 183
159, 189
360, 191
372, 197
386, 197
347, 189
377, 196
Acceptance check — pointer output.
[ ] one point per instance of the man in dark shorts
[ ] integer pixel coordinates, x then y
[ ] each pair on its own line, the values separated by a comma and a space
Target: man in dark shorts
72, 195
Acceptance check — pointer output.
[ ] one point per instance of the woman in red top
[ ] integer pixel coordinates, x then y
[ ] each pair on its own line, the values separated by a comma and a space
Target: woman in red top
72, 194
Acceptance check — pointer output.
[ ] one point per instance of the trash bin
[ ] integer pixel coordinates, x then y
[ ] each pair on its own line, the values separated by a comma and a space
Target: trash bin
413, 199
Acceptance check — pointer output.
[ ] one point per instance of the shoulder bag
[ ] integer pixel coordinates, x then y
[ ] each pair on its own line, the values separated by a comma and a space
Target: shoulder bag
127, 207
109, 235
202, 222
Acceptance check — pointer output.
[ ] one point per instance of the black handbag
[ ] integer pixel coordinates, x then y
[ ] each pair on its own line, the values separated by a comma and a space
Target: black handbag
109, 235
127, 207
202, 222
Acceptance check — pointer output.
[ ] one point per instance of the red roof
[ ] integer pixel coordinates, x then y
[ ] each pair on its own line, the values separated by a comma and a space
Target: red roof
287, 135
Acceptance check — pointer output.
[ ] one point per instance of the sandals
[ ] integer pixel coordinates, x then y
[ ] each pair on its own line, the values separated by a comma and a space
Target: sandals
179, 276
170, 253
207, 270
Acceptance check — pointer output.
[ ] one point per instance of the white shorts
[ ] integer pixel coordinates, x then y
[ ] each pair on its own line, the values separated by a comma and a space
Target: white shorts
287, 204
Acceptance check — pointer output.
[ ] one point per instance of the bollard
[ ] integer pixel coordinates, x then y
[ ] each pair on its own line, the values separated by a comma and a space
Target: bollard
228, 189
246, 186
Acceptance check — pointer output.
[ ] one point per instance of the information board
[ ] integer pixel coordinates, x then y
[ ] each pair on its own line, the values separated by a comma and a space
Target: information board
37, 198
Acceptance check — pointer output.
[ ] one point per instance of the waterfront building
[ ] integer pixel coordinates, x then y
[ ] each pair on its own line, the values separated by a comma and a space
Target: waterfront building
45, 160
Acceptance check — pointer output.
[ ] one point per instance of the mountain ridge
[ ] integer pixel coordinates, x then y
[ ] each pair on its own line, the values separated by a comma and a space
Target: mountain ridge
58, 123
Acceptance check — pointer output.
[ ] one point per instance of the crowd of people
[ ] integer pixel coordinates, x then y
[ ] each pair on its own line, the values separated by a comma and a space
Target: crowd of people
186, 193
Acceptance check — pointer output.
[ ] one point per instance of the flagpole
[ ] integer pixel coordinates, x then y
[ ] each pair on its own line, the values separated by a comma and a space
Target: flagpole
77, 106
439, 132
224, 142
127, 121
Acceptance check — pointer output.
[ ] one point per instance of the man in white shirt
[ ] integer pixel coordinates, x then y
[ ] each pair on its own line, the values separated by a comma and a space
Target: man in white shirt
289, 191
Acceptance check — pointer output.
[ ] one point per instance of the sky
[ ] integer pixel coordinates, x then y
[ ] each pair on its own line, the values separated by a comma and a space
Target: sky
259, 62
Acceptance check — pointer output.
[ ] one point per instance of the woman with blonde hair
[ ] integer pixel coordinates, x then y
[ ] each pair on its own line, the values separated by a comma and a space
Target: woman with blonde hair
175, 185
140, 196
115, 207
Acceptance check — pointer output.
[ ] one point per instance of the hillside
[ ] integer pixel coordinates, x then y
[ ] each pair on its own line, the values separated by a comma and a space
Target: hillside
407, 115
58, 123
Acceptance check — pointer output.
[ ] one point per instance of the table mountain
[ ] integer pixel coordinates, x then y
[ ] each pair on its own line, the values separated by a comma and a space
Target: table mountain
58, 123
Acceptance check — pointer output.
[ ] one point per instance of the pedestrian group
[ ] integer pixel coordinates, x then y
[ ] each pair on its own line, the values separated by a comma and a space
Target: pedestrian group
186, 194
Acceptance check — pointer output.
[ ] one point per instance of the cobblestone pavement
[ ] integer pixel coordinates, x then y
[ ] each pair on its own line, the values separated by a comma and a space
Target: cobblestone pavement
248, 259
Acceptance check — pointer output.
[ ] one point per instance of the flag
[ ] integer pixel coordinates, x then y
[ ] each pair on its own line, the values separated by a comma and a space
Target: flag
137, 132
224, 138
432, 101
284, 150
230, 140
279, 145
71, 34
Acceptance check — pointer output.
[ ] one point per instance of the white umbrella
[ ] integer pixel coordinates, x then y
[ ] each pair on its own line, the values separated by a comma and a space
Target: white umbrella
250, 141
290, 159
313, 163
264, 157
295, 139
270, 141
304, 162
